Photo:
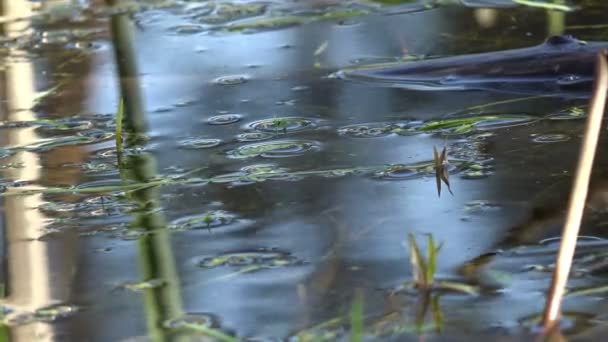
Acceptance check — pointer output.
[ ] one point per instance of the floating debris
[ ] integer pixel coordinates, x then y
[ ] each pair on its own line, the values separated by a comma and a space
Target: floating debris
224, 119
199, 143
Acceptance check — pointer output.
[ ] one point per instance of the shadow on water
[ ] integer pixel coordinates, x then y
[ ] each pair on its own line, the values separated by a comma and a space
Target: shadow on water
255, 197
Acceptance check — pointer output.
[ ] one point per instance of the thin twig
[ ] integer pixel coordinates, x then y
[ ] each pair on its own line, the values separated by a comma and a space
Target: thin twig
578, 196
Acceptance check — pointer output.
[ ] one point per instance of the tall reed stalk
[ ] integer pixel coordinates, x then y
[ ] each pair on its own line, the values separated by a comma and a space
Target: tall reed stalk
578, 196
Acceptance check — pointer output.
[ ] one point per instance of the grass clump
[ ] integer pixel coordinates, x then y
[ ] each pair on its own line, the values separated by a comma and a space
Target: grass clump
423, 269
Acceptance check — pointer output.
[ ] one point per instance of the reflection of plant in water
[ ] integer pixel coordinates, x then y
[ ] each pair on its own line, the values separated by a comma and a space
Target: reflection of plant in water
429, 303
356, 318
398, 321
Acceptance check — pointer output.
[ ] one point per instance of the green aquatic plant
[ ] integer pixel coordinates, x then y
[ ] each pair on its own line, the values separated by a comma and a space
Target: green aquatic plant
279, 124
423, 269
437, 314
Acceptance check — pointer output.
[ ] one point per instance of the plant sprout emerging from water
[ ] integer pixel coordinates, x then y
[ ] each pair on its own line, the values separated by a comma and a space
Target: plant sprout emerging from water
279, 124
441, 169
208, 220
423, 269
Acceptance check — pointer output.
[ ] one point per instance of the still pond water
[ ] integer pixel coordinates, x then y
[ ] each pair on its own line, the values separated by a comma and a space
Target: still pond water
277, 193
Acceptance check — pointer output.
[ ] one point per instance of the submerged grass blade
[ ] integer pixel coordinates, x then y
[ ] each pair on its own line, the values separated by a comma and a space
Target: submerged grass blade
457, 287
437, 314
578, 196
481, 107
215, 334
588, 291
545, 5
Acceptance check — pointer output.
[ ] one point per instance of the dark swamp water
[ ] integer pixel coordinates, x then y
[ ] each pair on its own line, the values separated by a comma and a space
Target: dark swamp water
262, 195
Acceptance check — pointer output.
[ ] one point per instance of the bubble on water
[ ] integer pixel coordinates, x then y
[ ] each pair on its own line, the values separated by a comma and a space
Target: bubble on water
571, 79
139, 286
231, 79
476, 174
480, 206
54, 312
183, 102
224, 119
186, 29
550, 138
210, 219
253, 136
300, 88
282, 124
367, 130
198, 143
275, 149
255, 173
263, 258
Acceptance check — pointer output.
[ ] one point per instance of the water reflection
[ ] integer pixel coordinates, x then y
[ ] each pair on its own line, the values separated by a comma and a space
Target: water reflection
39, 271
270, 246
